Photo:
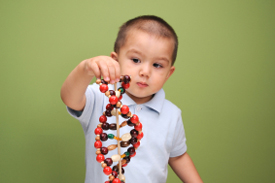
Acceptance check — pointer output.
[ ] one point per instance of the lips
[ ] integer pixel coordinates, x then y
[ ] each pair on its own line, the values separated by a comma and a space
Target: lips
142, 84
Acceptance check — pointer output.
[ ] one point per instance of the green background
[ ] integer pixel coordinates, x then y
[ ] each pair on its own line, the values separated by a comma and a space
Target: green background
224, 83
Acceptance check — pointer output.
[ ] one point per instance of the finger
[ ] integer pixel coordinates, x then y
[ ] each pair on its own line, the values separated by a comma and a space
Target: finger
95, 69
117, 69
104, 71
112, 72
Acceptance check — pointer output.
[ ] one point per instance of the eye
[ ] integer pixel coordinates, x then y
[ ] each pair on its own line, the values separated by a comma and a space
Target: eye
157, 65
136, 60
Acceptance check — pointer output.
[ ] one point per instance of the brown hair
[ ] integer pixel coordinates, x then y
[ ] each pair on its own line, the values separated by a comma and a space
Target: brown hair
150, 24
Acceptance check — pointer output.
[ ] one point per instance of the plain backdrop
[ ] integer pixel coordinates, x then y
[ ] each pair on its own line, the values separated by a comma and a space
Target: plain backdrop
223, 83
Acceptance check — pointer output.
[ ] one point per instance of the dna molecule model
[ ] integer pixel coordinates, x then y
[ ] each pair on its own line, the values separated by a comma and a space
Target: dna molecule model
114, 109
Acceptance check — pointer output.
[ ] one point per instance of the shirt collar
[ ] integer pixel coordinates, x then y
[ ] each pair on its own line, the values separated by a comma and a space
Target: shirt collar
157, 101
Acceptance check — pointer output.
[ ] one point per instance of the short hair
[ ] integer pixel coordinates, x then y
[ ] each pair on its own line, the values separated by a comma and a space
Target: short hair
150, 24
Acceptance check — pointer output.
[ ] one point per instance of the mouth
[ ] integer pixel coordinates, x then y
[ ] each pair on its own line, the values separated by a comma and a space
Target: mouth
142, 84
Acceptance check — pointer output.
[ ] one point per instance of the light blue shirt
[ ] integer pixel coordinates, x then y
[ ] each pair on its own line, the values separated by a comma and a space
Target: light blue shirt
163, 130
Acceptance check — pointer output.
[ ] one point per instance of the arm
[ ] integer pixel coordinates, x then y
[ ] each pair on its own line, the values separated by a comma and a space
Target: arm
185, 169
75, 85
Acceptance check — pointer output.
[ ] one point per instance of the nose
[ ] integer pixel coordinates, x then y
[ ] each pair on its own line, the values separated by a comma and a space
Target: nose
145, 70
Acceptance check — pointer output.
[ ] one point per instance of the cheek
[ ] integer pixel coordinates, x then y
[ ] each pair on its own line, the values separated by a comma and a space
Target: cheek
125, 68
162, 73
127, 65
161, 77
122, 65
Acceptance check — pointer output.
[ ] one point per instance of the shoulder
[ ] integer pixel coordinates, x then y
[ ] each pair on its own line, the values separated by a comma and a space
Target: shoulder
171, 108
163, 106
170, 114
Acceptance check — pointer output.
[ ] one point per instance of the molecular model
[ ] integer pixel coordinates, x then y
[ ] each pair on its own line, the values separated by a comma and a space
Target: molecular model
115, 108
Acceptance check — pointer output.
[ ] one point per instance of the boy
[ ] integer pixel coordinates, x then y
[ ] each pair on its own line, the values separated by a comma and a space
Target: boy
145, 49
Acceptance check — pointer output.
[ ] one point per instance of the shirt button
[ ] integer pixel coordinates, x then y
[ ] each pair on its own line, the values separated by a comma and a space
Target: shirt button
138, 108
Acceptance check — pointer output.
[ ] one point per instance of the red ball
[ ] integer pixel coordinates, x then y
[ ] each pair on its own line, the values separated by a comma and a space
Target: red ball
138, 127
133, 155
124, 109
107, 170
140, 136
134, 119
102, 119
125, 85
113, 99
136, 145
103, 88
124, 165
98, 131
98, 144
116, 180
100, 158
120, 97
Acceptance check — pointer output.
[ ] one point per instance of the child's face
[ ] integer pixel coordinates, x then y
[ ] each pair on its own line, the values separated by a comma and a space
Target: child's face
147, 59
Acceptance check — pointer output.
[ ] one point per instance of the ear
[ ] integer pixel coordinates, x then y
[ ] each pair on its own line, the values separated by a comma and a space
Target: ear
171, 71
114, 56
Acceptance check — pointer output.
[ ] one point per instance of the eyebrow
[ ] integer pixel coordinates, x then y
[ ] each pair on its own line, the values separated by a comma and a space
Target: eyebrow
162, 58
138, 52
135, 51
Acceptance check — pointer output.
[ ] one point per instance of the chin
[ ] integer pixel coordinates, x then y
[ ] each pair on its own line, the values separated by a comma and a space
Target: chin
137, 94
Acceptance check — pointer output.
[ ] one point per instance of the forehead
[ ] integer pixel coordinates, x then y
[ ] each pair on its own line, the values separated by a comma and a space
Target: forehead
144, 41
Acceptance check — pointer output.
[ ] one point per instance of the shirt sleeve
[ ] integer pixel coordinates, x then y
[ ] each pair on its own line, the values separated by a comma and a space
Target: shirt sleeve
179, 139
85, 115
